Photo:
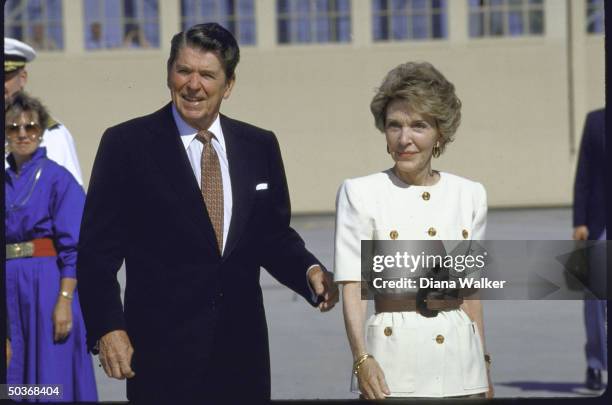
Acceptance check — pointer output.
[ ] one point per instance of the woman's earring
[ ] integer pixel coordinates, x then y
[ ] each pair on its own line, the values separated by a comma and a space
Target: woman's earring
436, 150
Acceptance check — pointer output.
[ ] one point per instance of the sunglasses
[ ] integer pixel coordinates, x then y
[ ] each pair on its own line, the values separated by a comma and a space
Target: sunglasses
31, 129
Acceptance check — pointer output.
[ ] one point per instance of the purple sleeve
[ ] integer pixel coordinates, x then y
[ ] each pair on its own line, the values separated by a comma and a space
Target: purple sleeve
67, 201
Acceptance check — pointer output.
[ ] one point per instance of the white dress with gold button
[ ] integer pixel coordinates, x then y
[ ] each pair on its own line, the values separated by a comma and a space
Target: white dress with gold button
420, 356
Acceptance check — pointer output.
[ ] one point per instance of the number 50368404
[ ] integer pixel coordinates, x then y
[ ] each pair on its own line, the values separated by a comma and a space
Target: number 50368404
31, 391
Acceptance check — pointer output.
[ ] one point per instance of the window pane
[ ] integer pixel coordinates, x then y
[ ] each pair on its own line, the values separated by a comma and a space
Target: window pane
506, 17
305, 21
323, 29
536, 22
381, 28
247, 32
344, 28
36, 22
595, 16
475, 4
408, 19
283, 31
476, 24
419, 5
237, 16
399, 6
344, 6
54, 10
515, 23
399, 22
438, 25
419, 26
496, 23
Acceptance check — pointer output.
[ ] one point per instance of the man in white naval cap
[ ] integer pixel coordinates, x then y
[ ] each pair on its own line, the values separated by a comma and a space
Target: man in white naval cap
56, 138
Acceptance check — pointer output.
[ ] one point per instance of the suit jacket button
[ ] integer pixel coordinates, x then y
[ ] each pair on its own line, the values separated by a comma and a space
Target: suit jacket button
439, 339
393, 235
388, 331
431, 231
425, 196
465, 234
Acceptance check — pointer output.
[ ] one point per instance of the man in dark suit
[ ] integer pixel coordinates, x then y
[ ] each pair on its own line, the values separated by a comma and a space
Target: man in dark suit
590, 224
195, 203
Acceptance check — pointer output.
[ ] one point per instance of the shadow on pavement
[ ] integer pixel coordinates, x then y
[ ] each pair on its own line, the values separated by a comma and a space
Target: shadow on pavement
557, 387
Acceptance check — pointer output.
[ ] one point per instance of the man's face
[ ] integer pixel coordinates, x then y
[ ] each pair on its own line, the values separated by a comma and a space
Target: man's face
198, 85
13, 82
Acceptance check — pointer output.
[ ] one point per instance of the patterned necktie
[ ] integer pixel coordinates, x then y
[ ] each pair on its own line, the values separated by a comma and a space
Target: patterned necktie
212, 185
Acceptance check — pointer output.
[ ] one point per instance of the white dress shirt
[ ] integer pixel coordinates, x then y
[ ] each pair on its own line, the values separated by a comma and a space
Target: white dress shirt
194, 153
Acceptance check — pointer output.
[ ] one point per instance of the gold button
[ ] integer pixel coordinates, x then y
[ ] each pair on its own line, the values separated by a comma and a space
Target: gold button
432, 231
425, 196
465, 234
393, 235
388, 331
439, 339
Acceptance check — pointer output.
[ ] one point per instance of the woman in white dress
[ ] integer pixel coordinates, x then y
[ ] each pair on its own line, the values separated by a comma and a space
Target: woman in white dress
403, 351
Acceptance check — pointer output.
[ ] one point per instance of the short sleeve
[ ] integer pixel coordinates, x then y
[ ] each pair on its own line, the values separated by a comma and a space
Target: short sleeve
352, 226
479, 220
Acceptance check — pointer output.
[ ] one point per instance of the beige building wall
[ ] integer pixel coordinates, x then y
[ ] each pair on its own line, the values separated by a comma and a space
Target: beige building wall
524, 99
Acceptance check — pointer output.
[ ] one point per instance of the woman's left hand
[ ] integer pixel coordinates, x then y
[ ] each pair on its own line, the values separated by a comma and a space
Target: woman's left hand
62, 319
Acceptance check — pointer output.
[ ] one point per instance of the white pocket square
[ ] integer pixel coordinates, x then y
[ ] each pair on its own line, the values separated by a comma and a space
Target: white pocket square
261, 186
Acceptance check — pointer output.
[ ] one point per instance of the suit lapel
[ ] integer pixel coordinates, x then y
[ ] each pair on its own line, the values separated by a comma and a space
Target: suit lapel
241, 176
170, 155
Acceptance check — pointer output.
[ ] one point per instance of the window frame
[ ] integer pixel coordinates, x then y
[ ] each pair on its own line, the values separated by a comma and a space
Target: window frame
123, 21
505, 10
26, 24
218, 17
429, 12
332, 18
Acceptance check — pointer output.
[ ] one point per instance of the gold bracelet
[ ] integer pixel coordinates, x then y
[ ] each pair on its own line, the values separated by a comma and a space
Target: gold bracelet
66, 295
360, 361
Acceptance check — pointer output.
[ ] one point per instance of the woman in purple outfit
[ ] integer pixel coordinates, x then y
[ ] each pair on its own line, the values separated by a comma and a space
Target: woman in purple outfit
43, 204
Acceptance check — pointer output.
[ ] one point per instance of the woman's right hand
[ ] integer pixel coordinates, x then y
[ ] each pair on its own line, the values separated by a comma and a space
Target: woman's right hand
371, 378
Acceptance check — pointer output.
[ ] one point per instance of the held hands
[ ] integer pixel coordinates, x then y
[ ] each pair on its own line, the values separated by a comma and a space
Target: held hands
371, 378
62, 319
581, 233
116, 354
323, 285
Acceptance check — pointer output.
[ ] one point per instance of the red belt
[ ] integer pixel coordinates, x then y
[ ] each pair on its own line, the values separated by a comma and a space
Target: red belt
35, 248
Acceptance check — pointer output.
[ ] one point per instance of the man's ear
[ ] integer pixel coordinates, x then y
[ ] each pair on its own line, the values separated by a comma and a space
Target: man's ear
229, 86
23, 78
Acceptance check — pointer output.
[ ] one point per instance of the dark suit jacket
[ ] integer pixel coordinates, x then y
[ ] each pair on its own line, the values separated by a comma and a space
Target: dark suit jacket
589, 188
196, 319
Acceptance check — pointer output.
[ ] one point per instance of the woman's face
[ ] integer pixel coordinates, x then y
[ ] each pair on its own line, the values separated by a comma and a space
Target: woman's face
410, 137
23, 133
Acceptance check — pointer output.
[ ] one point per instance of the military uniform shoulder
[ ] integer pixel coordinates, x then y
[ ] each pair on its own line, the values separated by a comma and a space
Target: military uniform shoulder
52, 124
